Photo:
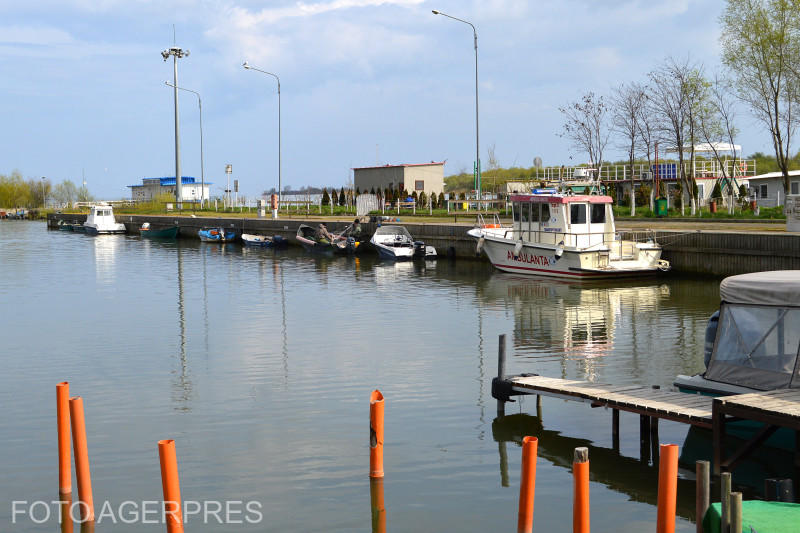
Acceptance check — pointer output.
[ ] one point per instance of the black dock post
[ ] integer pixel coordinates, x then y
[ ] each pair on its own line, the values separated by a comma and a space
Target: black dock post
501, 371
615, 429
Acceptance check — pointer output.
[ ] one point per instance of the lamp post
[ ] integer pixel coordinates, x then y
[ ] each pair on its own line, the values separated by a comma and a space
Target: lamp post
250, 67
176, 53
202, 172
477, 134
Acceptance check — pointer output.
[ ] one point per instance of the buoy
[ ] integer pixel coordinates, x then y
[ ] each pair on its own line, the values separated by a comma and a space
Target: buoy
479, 246
517, 249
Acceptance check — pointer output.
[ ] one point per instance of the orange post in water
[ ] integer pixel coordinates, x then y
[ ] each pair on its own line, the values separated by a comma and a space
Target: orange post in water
170, 486
86, 502
580, 504
527, 485
376, 406
667, 488
62, 423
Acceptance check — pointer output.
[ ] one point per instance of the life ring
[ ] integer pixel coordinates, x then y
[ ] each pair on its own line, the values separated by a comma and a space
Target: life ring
273, 200
491, 225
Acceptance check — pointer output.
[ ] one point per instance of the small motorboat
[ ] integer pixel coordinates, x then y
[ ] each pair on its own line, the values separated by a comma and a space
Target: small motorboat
395, 242
101, 221
216, 235
166, 233
63, 225
262, 241
752, 343
309, 239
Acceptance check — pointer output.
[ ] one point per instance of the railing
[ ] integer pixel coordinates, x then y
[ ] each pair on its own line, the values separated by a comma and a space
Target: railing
703, 168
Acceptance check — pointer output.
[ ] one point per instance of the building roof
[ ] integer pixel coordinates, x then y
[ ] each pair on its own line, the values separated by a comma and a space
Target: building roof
772, 175
403, 165
170, 180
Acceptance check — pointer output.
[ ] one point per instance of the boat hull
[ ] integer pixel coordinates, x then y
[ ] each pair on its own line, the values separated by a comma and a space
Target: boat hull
260, 241
166, 233
91, 230
216, 235
554, 261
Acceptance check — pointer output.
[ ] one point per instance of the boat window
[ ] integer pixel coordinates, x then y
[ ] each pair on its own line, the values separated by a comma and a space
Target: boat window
577, 214
545, 217
756, 347
535, 212
515, 208
525, 212
598, 213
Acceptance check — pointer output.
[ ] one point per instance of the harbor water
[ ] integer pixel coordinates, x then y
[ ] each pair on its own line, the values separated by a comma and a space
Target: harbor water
260, 363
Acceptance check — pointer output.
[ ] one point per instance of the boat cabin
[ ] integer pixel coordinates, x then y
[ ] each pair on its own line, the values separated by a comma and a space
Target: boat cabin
758, 334
547, 217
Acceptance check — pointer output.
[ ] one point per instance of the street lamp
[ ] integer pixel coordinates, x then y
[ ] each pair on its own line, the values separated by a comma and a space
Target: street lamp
176, 54
249, 67
202, 173
477, 136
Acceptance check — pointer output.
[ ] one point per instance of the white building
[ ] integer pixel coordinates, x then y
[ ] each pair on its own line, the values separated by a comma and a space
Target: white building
427, 177
768, 188
152, 188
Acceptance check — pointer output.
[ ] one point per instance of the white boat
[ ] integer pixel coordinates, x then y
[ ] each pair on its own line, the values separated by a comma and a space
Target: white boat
101, 221
562, 234
752, 342
395, 242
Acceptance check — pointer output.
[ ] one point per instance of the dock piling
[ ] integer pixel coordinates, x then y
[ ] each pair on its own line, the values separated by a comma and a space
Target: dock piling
85, 499
644, 438
376, 409
702, 492
725, 496
170, 486
778, 490
736, 512
62, 424
580, 502
527, 485
501, 371
667, 488
615, 429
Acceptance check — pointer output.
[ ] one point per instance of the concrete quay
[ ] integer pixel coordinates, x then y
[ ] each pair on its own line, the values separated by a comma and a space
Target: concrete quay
693, 247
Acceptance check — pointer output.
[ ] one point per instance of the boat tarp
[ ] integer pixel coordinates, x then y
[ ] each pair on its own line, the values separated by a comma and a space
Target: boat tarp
777, 287
392, 230
756, 347
757, 516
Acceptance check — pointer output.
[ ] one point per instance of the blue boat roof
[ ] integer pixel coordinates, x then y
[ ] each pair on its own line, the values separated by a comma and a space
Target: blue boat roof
170, 180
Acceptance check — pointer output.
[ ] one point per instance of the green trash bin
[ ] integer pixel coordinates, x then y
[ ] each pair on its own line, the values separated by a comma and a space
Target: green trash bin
661, 207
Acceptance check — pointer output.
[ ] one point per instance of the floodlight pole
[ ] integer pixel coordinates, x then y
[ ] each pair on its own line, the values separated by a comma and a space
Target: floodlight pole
176, 54
202, 172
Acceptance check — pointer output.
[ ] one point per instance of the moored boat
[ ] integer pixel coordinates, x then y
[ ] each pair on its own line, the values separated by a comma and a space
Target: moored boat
395, 242
263, 241
101, 221
216, 235
556, 232
147, 231
321, 241
753, 342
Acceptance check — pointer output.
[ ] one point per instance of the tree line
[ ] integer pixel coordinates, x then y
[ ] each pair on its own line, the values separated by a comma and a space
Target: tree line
16, 191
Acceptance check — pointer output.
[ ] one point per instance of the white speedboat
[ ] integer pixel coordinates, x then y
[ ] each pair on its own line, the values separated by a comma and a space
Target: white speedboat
562, 234
101, 221
753, 341
395, 242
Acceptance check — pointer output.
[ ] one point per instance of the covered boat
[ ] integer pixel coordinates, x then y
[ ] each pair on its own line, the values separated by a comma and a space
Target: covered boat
395, 242
216, 235
101, 221
753, 341
147, 231
262, 241
556, 232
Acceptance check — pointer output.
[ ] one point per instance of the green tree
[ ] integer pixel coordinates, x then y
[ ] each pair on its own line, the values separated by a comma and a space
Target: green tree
423, 199
65, 193
761, 48
440, 201
342, 199
326, 199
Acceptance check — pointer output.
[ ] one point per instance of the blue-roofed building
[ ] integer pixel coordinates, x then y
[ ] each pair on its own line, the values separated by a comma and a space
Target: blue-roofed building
152, 188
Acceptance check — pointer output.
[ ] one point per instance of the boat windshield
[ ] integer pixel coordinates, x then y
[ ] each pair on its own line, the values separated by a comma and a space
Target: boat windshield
757, 347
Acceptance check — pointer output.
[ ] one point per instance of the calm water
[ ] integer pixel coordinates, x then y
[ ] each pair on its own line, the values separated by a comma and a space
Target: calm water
259, 364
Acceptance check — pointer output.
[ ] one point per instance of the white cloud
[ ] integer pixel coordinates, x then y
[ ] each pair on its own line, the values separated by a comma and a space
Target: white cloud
244, 18
34, 35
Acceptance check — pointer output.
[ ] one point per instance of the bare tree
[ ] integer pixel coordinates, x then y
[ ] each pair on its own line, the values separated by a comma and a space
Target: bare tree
586, 127
760, 46
627, 103
671, 104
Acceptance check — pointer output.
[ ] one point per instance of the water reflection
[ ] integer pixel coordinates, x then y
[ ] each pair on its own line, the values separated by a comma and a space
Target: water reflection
377, 508
182, 386
106, 248
639, 481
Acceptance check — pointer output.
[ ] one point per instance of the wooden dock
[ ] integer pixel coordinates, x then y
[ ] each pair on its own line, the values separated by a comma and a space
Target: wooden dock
771, 409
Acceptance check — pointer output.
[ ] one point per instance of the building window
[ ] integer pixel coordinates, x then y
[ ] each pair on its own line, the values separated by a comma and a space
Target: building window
795, 187
762, 191
419, 185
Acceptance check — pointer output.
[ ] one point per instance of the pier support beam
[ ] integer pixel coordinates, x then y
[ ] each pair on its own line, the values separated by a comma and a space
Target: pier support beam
615, 429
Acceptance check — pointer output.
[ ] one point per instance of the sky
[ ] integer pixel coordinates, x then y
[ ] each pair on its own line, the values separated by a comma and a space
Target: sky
363, 82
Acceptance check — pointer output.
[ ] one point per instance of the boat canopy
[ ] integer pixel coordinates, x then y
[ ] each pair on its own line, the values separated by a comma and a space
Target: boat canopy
758, 338
778, 287
544, 198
